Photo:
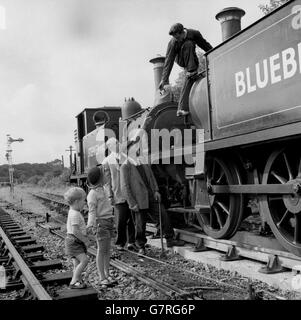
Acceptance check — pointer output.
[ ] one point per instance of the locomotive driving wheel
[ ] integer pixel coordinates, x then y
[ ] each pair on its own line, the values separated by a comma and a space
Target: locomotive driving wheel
283, 212
226, 210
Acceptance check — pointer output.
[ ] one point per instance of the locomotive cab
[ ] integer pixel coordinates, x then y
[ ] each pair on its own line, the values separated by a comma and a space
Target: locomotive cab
92, 124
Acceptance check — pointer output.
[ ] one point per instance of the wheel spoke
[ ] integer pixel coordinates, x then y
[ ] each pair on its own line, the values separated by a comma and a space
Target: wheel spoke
279, 178
297, 229
282, 210
211, 218
288, 167
226, 211
213, 170
283, 218
223, 207
220, 178
218, 218
276, 199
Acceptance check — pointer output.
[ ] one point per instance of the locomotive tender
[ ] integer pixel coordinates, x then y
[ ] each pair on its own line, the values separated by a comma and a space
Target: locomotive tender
250, 102
249, 105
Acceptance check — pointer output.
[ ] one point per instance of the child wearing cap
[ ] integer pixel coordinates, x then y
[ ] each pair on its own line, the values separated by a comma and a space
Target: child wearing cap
76, 241
100, 219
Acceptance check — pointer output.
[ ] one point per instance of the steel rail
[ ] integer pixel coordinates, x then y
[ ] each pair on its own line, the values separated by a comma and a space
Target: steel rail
165, 288
50, 200
244, 249
218, 282
168, 289
28, 278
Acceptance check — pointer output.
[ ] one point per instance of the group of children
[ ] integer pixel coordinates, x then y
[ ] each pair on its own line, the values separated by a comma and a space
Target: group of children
100, 224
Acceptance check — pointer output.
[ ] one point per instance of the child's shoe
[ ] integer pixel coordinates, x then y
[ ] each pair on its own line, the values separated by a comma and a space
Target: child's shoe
78, 285
104, 283
112, 280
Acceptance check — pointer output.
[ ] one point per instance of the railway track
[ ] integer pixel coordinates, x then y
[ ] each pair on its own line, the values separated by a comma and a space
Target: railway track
275, 260
27, 268
193, 240
169, 290
172, 291
244, 245
200, 287
190, 289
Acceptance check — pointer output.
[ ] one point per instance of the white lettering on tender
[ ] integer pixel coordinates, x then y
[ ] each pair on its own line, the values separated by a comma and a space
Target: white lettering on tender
240, 84
249, 85
289, 62
274, 69
262, 83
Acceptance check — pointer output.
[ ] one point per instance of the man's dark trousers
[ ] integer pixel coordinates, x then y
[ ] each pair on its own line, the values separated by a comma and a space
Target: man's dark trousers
153, 211
140, 224
188, 60
183, 104
124, 224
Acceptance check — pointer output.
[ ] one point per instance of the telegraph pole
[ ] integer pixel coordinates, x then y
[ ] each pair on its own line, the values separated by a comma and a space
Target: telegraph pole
63, 162
70, 156
9, 158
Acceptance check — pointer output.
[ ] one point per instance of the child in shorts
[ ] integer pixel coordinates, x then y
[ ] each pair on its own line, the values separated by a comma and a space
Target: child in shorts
76, 242
100, 219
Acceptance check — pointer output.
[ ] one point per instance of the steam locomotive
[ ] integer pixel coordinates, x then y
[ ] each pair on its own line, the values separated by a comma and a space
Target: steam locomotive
249, 106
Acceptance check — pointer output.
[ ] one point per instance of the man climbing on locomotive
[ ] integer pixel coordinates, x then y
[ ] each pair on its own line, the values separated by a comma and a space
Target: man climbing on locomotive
181, 48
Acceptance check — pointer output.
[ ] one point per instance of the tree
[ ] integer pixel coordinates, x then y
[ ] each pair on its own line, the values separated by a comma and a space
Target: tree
22, 178
274, 4
34, 179
28, 170
65, 176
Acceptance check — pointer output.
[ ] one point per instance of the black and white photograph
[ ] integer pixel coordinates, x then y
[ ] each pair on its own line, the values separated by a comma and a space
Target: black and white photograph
150, 155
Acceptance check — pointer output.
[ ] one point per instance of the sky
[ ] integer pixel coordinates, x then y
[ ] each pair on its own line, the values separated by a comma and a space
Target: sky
58, 57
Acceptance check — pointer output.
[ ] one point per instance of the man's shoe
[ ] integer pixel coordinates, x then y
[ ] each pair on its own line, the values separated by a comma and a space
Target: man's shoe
132, 247
119, 248
173, 242
182, 113
141, 251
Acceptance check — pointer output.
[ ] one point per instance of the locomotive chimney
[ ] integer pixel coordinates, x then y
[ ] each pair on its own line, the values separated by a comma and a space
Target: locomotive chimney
158, 63
230, 19
165, 96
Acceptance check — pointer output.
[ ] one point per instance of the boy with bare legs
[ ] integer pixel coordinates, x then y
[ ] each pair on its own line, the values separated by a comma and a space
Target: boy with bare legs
76, 242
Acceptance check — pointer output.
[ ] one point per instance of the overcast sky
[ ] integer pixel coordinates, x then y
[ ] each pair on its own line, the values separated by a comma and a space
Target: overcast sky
58, 57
